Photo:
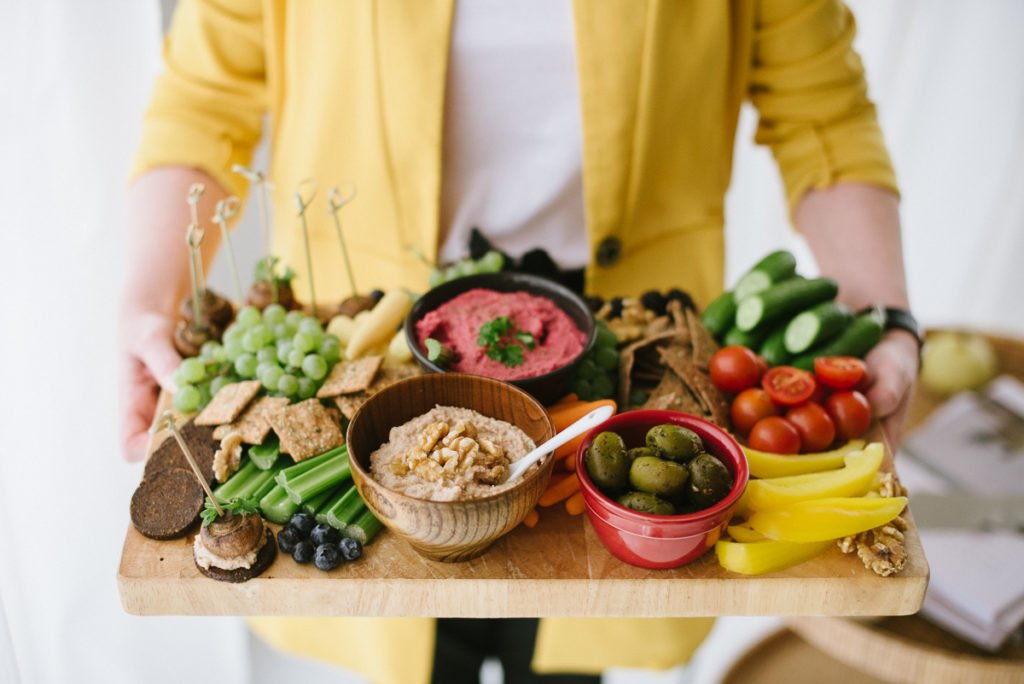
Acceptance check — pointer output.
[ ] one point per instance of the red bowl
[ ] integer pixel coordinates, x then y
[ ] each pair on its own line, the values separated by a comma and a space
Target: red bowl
661, 541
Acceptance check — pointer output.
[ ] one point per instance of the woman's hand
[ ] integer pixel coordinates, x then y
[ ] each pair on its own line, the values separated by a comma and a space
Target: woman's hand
893, 365
147, 361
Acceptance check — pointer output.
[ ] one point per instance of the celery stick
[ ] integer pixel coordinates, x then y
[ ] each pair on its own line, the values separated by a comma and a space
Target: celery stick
336, 496
345, 510
308, 464
266, 455
277, 507
317, 502
254, 484
364, 528
237, 482
325, 476
264, 489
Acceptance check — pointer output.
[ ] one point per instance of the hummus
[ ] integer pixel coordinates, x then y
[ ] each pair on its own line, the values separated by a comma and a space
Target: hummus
457, 323
449, 454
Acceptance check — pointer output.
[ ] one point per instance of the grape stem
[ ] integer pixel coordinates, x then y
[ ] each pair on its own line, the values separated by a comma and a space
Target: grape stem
167, 420
226, 210
335, 201
303, 203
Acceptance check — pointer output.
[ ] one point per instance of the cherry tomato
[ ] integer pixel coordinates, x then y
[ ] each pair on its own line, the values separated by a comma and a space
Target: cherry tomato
762, 365
734, 368
775, 435
750, 406
788, 386
815, 426
839, 372
850, 412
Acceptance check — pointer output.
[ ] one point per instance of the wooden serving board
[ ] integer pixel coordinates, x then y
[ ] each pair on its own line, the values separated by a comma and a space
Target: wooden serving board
557, 569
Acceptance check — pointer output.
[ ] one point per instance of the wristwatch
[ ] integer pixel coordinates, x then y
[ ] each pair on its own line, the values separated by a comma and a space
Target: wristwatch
895, 318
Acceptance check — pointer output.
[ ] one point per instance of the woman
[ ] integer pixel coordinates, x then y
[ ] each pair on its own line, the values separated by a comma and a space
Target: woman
600, 131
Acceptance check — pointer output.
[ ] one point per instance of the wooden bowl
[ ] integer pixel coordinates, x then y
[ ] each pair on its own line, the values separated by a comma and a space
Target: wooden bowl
448, 530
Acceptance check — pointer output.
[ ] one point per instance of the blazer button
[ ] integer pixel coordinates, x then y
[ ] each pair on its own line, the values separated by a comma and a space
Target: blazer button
608, 251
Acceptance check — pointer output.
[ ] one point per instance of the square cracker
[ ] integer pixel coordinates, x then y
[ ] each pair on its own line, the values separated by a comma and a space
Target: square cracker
228, 403
306, 429
350, 377
350, 403
252, 425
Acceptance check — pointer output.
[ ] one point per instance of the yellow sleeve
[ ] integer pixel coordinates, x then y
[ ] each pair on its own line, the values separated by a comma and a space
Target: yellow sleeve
207, 106
808, 85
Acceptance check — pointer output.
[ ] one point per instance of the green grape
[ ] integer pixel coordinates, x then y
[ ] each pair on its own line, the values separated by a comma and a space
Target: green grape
288, 385
217, 383
295, 358
314, 366
251, 341
602, 387
267, 354
436, 278
606, 358
330, 349
492, 262
284, 348
248, 316
263, 334
293, 318
304, 342
187, 399
282, 331
465, 267
274, 314
233, 349
245, 365
637, 397
270, 375
310, 326
605, 337
205, 394
587, 370
209, 350
583, 389
450, 274
178, 376
307, 388
262, 366
234, 332
192, 371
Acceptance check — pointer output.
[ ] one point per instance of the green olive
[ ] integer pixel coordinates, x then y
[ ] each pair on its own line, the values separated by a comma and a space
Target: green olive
655, 476
646, 503
637, 452
710, 481
607, 463
674, 443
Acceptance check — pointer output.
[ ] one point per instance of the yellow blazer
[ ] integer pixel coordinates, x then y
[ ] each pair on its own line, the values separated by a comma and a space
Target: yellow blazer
354, 90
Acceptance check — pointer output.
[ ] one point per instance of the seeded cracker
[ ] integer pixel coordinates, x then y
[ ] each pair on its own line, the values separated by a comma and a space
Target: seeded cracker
252, 425
350, 377
350, 403
228, 403
306, 429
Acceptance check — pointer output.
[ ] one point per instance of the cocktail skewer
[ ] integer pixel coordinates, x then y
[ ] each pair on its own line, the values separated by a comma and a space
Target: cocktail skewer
335, 201
302, 203
226, 210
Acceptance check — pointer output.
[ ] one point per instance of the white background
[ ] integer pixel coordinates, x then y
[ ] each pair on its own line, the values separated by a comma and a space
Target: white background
74, 78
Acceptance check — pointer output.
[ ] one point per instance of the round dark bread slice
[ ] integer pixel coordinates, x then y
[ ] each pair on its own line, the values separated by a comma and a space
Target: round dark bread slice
264, 558
168, 455
167, 504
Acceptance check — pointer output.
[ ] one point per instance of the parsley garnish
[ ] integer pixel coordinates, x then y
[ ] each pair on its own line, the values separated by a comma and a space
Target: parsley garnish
236, 506
499, 336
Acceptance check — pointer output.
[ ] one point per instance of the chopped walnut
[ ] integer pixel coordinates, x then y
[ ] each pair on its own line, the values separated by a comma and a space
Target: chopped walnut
450, 452
889, 486
228, 456
881, 549
631, 323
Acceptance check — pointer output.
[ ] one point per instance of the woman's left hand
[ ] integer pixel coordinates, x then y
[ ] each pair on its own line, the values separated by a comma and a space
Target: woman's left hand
893, 365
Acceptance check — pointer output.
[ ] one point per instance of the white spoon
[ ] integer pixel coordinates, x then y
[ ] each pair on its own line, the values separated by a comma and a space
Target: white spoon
591, 420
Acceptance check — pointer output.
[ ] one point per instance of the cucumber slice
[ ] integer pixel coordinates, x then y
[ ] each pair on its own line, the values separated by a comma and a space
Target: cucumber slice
817, 325
719, 315
774, 268
857, 340
783, 300
774, 349
265, 455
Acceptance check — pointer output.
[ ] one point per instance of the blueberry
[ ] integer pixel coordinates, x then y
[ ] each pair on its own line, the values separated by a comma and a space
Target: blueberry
303, 523
328, 556
324, 534
303, 552
594, 303
287, 538
376, 295
675, 294
616, 311
653, 300
350, 548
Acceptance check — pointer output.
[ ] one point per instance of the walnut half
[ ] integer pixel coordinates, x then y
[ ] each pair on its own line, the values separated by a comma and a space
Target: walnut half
454, 452
228, 456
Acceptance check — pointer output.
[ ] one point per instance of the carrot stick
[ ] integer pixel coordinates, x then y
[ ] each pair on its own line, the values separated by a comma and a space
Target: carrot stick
565, 415
570, 448
561, 490
531, 518
574, 505
567, 399
570, 464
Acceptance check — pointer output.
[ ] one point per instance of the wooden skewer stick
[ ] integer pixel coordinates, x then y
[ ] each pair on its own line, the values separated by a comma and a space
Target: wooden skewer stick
335, 201
225, 211
303, 203
167, 420
194, 238
259, 179
195, 192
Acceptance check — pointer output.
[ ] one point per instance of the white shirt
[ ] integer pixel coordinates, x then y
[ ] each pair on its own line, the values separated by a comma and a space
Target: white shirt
512, 156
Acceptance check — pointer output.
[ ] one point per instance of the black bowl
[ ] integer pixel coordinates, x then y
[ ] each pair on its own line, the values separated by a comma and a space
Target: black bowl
547, 388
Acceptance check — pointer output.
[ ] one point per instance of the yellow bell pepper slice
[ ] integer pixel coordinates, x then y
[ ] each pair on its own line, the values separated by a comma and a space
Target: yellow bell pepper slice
757, 558
742, 533
853, 480
822, 519
764, 464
